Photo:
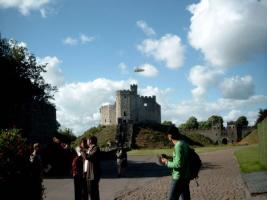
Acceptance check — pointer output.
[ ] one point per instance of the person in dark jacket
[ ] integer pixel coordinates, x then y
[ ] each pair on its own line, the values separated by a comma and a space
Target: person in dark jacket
93, 168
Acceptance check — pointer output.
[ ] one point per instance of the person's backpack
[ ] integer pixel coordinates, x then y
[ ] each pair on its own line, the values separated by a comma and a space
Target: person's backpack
194, 163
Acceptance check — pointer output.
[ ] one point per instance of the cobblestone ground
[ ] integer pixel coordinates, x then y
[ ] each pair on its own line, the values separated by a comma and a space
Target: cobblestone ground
219, 179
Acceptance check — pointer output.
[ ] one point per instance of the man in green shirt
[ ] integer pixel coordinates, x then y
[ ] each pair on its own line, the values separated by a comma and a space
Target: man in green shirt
179, 165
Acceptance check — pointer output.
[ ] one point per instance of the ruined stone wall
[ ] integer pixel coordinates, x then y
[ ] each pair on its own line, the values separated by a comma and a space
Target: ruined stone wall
108, 115
213, 134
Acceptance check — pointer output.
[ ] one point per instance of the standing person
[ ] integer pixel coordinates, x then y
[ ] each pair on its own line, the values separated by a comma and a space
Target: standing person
179, 165
36, 172
93, 168
77, 173
121, 155
83, 151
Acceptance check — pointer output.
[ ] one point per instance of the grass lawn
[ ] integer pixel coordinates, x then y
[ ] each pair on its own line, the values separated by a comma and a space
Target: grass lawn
248, 159
149, 152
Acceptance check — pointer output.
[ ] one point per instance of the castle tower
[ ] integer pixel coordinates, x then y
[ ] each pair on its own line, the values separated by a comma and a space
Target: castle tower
123, 105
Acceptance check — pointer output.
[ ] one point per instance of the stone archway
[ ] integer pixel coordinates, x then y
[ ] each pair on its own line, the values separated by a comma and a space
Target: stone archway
224, 141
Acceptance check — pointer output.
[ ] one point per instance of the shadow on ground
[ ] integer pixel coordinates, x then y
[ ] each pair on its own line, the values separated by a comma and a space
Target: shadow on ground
135, 169
208, 165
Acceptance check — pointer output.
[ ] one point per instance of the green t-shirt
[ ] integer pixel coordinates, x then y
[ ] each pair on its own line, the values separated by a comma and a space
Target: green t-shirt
179, 163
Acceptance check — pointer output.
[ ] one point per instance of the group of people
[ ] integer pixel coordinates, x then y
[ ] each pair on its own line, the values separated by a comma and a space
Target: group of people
86, 170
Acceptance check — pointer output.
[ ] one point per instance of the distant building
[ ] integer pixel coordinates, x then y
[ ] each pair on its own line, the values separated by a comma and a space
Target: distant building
131, 106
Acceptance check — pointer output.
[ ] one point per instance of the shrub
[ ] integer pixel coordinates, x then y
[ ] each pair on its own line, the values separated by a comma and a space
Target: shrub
16, 177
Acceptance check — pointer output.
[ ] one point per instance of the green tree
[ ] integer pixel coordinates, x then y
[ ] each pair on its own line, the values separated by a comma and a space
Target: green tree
261, 116
66, 135
21, 83
192, 123
241, 122
182, 126
204, 125
168, 123
215, 119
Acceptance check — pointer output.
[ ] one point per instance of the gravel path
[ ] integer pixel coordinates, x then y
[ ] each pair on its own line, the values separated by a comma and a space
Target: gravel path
219, 179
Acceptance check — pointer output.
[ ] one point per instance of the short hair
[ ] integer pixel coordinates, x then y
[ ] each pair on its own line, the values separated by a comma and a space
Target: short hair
174, 132
93, 139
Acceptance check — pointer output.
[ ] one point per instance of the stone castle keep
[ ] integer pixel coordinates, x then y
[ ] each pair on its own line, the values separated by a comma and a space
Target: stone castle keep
130, 106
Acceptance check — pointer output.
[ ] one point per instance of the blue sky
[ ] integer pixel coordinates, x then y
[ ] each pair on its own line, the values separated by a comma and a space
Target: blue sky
200, 57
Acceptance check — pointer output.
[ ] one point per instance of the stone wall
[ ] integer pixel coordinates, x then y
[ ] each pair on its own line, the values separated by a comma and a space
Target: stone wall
262, 132
108, 115
149, 110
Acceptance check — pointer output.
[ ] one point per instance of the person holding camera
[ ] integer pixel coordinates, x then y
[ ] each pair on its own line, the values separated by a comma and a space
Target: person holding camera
179, 164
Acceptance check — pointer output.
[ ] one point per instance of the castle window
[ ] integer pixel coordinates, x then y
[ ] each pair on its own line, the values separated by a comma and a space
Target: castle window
145, 104
124, 113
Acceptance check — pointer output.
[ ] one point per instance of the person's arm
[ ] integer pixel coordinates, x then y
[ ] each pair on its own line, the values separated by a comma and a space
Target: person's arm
176, 162
92, 153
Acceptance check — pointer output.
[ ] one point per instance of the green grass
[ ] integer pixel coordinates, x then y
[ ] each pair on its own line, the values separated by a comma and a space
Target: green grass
151, 152
248, 159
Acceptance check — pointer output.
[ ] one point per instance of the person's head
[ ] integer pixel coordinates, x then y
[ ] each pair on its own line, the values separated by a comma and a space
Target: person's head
83, 143
173, 133
36, 147
92, 140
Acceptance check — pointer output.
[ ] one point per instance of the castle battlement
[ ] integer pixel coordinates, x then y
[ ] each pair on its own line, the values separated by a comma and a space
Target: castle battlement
148, 98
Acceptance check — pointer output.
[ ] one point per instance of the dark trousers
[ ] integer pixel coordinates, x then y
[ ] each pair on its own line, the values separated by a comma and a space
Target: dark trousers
78, 180
179, 188
93, 189
84, 189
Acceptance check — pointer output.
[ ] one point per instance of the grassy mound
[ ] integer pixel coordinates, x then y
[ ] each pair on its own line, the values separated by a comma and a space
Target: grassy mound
252, 138
149, 136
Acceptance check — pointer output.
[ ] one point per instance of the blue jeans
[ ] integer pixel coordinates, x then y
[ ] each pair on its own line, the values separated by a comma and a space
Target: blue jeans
179, 188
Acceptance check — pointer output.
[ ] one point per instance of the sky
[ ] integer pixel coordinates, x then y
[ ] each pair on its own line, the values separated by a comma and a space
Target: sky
200, 57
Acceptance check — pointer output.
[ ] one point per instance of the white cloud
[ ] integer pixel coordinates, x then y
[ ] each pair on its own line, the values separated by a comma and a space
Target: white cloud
232, 115
168, 49
70, 41
237, 87
123, 68
86, 39
149, 70
25, 6
155, 91
78, 104
145, 28
82, 39
229, 109
53, 74
228, 32
203, 77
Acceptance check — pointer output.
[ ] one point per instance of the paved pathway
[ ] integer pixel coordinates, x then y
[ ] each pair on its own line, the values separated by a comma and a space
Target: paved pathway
219, 179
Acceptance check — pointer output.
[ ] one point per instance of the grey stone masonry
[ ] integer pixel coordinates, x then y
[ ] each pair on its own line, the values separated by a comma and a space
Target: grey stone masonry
131, 106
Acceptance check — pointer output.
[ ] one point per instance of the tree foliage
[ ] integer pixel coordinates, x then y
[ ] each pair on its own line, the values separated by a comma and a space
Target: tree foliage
168, 123
21, 81
215, 119
242, 122
261, 116
17, 177
192, 123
